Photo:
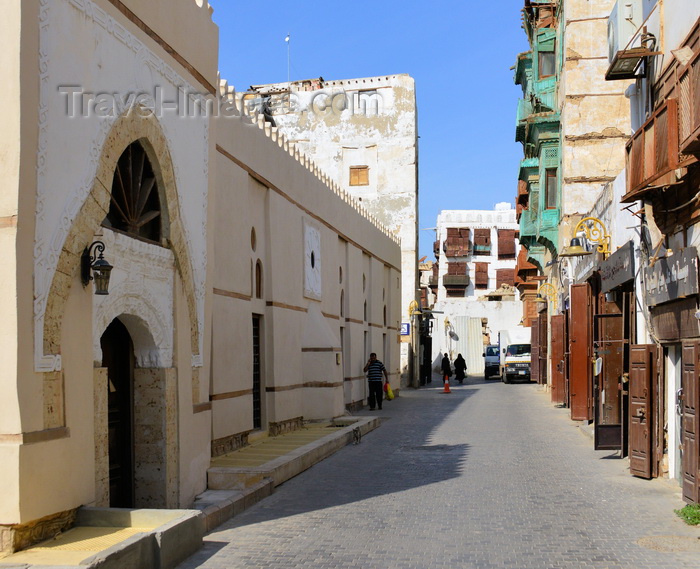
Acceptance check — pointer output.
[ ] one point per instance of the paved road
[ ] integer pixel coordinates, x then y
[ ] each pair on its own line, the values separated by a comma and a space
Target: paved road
489, 476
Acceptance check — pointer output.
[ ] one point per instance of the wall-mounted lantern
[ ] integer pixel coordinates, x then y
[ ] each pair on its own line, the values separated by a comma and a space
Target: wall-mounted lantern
596, 232
547, 292
100, 268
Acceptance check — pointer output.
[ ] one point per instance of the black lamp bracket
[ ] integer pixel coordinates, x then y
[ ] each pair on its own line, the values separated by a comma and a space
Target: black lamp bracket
90, 255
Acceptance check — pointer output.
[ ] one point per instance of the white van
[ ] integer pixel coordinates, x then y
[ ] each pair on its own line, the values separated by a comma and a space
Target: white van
492, 361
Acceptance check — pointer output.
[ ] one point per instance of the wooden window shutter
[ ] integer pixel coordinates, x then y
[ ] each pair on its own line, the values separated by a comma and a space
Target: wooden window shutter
457, 242
505, 276
506, 243
481, 277
482, 241
456, 268
359, 175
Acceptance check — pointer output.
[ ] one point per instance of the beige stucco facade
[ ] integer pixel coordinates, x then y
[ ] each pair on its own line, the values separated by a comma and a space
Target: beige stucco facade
595, 120
367, 123
250, 230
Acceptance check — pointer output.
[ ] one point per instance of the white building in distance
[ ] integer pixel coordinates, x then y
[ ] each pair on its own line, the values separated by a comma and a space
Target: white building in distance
474, 282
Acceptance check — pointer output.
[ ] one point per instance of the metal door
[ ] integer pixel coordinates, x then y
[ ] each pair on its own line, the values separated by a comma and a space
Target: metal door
642, 373
689, 420
580, 376
558, 348
608, 383
535, 351
544, 340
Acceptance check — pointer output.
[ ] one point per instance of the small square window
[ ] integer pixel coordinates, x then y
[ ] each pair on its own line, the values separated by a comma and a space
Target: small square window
359, 175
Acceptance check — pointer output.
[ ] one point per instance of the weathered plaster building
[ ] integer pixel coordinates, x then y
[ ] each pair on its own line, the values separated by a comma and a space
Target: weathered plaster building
625, 295
474, 279
573, 125
247, 288
363, 134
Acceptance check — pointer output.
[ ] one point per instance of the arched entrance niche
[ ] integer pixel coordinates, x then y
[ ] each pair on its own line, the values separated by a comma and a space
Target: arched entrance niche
135, 421
129, 128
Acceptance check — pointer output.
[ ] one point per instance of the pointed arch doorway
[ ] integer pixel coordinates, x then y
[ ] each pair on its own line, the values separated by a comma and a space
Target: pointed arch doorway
118, 358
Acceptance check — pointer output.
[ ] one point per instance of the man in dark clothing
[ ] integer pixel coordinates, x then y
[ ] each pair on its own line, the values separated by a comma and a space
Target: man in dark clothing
446, 369
374, 370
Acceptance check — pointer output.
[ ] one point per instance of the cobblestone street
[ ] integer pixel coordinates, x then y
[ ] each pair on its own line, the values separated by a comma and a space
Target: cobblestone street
489, 476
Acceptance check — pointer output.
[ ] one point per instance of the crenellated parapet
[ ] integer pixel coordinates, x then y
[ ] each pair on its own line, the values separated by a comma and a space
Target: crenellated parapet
236, 109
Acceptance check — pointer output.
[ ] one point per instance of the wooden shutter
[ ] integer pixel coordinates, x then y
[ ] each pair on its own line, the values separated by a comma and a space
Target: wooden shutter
482, 241
580, 371
653, 150
481, 277
558, 349
359, 175
457, 243
506, 244
641, 432
505, 276
689, 431
689, 106
456, 268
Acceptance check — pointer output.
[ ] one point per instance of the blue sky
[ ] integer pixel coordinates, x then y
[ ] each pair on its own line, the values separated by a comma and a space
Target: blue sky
459, 52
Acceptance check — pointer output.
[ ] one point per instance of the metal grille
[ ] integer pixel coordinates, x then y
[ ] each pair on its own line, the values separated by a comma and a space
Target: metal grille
257, 352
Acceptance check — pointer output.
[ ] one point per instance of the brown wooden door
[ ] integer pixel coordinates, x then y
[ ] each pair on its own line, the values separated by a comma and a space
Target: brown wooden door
642, 373
544, 341
608, 383
535, 351
558, 348
580, 376
118, 358
689, 420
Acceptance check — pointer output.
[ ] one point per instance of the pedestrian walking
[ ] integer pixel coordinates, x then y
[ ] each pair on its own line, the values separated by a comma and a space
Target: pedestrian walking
446, 368
460, 368
374, 370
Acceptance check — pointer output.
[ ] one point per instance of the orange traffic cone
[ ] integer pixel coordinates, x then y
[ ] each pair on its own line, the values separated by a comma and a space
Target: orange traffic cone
447, 385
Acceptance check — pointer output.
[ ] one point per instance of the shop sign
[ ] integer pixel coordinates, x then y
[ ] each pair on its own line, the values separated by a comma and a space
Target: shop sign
618, 268
672, 277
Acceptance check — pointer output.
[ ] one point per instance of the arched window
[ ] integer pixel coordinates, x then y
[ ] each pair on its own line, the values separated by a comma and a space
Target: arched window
135, 204
258, 280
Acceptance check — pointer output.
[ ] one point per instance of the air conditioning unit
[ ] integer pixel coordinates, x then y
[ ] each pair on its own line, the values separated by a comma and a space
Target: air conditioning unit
625, 19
